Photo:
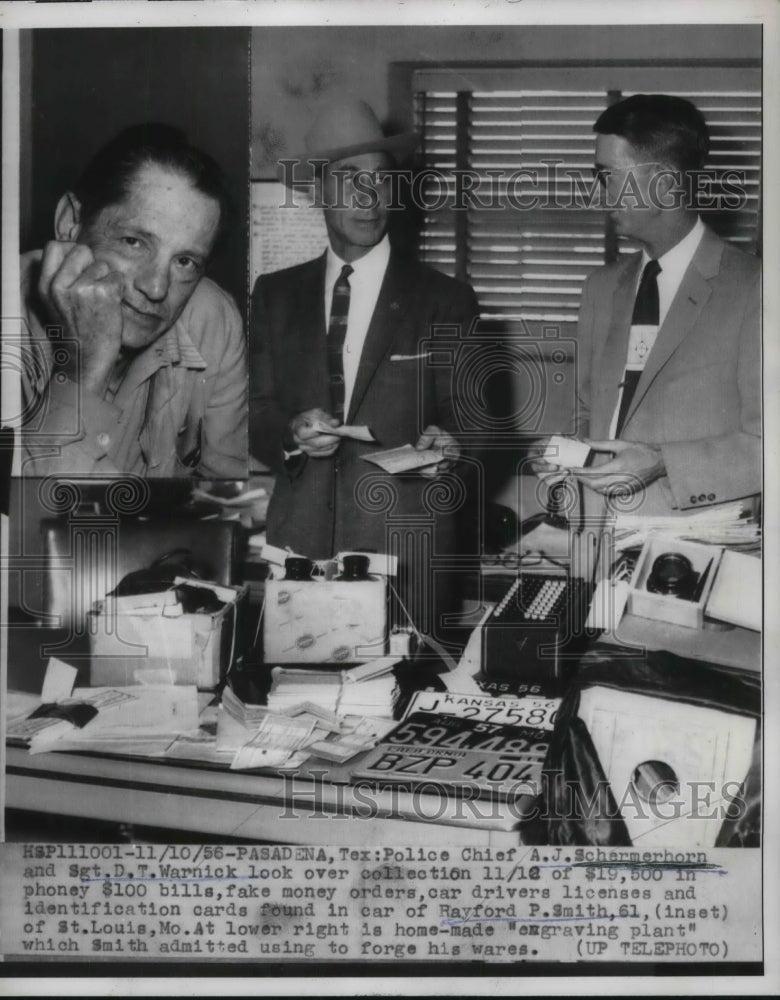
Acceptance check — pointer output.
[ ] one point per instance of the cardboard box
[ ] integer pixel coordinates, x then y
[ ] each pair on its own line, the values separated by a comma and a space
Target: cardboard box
161, 647
664, 607
324, 621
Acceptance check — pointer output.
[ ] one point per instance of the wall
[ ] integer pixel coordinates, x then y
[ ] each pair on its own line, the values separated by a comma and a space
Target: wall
88, 84
294, 68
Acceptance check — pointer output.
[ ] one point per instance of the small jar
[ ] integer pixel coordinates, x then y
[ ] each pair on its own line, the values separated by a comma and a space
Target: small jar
297, 568
355, 567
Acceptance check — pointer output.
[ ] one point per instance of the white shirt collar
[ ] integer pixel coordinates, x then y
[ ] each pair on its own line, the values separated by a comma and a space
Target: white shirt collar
371, 265
674, 263
676, 260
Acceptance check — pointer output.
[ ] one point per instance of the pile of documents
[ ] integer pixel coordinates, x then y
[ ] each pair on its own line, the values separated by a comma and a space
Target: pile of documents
259, 736
370, 689
175, 721
292, 686
138, 719
723, 525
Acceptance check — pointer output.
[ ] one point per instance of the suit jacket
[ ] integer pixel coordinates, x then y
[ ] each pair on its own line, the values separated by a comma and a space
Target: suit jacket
699, 396
339, 503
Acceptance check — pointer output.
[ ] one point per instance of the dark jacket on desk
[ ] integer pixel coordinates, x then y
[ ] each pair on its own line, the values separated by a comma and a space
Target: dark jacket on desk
322, 506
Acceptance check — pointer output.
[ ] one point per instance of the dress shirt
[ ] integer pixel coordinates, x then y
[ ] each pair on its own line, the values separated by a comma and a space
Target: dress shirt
364, 282
674, 263
179, 407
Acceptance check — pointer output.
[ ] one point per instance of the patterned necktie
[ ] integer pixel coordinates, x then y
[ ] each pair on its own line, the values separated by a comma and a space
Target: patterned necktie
337, 331
646, 313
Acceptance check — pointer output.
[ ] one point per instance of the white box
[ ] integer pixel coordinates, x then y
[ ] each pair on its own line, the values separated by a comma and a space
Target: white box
324, 621
663, 607
132, 648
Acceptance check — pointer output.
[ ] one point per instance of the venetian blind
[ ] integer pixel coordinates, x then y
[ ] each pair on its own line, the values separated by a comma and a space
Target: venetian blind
525, 237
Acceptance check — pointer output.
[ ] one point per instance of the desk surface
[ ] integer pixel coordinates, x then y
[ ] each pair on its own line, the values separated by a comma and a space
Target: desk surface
728, 647
209, 799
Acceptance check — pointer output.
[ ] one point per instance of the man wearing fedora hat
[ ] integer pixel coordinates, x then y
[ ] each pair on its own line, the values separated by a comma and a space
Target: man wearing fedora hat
340, 340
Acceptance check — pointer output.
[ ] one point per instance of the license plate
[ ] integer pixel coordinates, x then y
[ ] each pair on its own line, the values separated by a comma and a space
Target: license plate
504, 775
538, 713
446, 732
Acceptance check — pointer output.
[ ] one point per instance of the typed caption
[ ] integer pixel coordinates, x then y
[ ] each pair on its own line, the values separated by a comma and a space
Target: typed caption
142, 901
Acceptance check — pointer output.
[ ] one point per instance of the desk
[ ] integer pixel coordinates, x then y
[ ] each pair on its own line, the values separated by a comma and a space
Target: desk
739, 648
209, 799
727, 646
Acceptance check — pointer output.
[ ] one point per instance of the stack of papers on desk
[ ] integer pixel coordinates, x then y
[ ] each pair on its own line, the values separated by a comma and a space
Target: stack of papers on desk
723, 525
373, 698
275, 743
256, 736
358, 734
129, 720
290, 687
370, 689
136, 719
259, 736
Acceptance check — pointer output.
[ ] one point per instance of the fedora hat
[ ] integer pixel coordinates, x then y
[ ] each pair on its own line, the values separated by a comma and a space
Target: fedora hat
348, 128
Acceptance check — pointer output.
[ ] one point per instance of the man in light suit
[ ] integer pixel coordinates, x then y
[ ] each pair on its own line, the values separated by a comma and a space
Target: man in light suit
341, 340
669, 348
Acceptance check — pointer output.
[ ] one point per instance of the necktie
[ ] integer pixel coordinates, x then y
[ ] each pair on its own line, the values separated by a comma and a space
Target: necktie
337, 331
646, 313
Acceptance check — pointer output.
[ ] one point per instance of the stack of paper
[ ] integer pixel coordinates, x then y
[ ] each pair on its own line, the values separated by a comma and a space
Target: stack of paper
275, 743
358, 734
290, 687
723, 525
255, 736
137, 719
248, 715
369, 689
375, 697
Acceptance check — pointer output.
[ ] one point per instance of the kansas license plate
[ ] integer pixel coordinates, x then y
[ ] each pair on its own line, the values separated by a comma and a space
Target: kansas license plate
538, 713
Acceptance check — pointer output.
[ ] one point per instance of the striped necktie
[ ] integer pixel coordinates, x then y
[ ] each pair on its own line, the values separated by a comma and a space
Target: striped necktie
337, 331
646, 313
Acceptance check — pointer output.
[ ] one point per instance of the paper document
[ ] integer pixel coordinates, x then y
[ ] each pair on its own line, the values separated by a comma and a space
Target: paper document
608, 604
273, 743
20, 704
364, 736
407, 458
239, 500
58, 681
345, 431
377, 667
566, 453
736, 593
140, 713
723, 525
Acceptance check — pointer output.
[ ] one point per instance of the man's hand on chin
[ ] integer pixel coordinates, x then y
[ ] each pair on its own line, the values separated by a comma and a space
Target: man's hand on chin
633, 466
85, 297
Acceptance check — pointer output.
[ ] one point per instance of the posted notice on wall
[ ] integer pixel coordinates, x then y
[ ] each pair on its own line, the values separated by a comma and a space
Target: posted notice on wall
285, 228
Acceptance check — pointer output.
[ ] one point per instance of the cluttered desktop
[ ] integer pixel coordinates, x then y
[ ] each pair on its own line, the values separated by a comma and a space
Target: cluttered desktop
208, 682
